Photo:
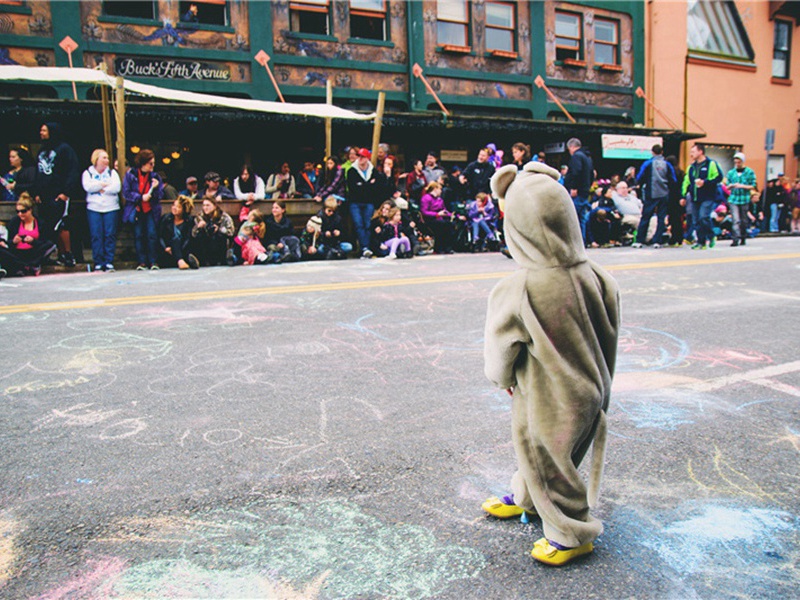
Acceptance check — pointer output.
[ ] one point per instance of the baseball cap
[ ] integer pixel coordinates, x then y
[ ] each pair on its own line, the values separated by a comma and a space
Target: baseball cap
191, 179
739, 155
365, 153
212, 176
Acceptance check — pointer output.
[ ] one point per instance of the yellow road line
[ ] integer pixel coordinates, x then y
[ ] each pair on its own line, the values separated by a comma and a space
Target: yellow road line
348, 285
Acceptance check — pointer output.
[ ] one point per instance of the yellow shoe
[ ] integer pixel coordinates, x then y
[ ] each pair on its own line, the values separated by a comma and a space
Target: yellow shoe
544, 552
503, 508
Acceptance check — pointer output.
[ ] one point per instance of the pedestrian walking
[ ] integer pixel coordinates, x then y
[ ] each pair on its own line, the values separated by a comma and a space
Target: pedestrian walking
741, 181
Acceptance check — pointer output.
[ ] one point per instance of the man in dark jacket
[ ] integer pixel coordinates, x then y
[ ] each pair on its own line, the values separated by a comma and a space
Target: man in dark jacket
477, 174
364, 185
656, 178
57, 180
578, 181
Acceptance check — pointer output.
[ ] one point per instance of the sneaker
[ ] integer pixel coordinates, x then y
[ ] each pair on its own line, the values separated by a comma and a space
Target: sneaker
367, 253
193, 262
734, 243
698, 246
230, 257
110, 268
69, 260
744, 242
712, 242
155, 267
504, 508
556, 555
391, 256
636, 245
656, 246
141, 267
3, 272
98, 268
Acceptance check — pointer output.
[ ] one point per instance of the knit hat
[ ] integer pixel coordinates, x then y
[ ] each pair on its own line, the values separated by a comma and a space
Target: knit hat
739, 155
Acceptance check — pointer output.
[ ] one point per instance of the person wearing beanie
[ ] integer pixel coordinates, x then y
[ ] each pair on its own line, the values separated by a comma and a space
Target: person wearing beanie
741, 180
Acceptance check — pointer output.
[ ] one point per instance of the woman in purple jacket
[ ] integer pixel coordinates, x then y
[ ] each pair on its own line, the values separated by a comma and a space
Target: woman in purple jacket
437, 217
142, 190
333, 183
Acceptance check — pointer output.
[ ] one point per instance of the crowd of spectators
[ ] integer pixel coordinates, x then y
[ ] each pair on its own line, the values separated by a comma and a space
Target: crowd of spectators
366, 208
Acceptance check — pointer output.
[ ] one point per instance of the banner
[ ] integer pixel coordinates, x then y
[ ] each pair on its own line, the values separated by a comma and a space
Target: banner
637, 147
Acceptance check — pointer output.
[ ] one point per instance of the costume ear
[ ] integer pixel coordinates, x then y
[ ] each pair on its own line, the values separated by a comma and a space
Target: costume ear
503, 178
538, 167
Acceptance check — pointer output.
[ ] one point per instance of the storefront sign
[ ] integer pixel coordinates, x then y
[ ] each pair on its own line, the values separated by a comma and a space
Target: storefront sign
453, 156
554, 148
171, 69
629, 146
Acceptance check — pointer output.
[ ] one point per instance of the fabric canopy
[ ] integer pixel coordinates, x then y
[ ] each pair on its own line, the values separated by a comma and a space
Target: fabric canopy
97, 77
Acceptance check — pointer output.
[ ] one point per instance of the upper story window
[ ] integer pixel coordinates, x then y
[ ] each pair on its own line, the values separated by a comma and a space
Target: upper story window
715, 27
606, 42
207, 12
569, 36
309, 16
129, 8
452, 23
368, 19
782, 49
501, 23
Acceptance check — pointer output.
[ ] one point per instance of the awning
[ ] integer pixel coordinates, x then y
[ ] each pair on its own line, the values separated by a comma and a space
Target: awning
97, 77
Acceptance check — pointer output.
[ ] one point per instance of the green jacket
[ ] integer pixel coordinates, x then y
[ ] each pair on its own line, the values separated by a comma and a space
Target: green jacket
740, 196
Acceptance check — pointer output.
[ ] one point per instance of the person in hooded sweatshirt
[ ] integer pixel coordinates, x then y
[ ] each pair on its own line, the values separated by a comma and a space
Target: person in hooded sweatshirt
551, 342
57, 181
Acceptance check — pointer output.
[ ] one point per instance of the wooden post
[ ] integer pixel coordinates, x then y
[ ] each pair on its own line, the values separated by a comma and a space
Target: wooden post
376, 131
329, 121
119, 91
109, 144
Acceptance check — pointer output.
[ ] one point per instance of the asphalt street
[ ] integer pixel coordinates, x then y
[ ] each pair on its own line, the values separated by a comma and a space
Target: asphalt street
324, 430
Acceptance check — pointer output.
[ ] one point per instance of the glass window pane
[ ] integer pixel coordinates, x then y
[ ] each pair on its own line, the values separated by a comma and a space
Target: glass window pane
452, 10
605, 31
451, 33
781, 36
568, 25
500, 15
779, 66
604, 54
376, 5
567, 43
712, 27
499, 39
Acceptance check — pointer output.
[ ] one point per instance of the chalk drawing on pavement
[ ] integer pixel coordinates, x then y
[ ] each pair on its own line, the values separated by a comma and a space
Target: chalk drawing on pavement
28, 380
231, 315
713, 548
643, 349
280, 545
8, 550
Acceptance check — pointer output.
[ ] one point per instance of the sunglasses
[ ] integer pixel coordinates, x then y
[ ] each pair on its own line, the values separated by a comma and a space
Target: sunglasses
22, 210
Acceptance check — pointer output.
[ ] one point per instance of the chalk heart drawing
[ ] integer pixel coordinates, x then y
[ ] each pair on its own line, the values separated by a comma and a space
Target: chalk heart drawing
329, 549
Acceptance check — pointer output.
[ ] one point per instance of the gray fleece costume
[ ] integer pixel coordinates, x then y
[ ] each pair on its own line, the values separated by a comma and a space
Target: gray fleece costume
551, 334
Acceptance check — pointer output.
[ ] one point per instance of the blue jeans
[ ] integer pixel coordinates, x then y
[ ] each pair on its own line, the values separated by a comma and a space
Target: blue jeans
705, 226
103, 231
145, 237
657, 206
477, 226
774, 216
361, 215
583, 208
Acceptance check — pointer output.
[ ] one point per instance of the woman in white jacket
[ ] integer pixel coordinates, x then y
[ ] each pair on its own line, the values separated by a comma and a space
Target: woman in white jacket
102, 185
248, 187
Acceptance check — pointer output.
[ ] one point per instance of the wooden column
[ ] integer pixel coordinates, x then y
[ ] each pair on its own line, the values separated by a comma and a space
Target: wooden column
119, 97
109, 144
328, 122
376, 131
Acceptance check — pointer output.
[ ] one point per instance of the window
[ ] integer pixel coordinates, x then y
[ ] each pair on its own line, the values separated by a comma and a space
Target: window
129, 8
368, 19
453, 23
569, 29
309, 16
715, 27
209, 12
606, 42
500, 26
782, 49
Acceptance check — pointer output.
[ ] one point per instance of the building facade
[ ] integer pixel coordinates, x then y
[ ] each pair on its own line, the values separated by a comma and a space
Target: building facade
481, 58
727, 70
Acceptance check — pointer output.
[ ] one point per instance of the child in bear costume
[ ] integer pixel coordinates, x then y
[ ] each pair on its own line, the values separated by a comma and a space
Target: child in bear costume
551, 342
